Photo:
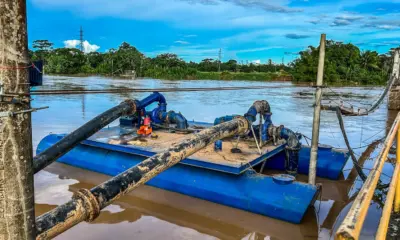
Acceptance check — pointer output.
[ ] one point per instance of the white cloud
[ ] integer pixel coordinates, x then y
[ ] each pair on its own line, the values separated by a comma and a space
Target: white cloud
87, 47
258, 61
181, 42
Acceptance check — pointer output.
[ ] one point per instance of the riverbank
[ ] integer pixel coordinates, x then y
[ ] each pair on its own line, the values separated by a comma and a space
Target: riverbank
225, 75
197, 75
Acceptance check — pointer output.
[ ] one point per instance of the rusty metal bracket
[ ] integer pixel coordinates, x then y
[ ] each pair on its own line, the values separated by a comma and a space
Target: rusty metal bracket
90, 203
13, 99
12, 114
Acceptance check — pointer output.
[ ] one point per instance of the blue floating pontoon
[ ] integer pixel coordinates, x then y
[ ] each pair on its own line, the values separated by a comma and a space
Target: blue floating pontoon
222, 176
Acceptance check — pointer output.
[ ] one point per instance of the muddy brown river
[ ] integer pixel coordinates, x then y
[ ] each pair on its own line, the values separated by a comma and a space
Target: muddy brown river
152, 213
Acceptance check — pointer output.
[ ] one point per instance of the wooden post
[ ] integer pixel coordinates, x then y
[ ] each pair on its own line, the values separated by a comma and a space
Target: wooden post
394, 92
396, 63
17, 215
317, 113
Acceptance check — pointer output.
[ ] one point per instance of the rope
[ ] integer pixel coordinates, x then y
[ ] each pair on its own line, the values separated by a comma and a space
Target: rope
20, 67
380, 100
16, 67
358, 168
346, 140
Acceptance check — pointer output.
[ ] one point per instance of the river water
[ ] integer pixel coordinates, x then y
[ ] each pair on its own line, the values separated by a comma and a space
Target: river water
151, 213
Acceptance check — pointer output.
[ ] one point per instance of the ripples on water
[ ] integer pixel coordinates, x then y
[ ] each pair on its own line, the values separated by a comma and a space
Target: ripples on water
151, 213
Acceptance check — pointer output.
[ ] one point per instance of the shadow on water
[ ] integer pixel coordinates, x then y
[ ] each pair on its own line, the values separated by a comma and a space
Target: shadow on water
150, 213
184, 211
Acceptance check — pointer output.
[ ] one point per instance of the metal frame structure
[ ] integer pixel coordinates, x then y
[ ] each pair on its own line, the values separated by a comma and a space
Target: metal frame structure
353, 222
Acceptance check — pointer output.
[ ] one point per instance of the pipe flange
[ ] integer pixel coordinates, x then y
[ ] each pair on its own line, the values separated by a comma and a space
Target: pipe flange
246, 124
133, 105
90, 203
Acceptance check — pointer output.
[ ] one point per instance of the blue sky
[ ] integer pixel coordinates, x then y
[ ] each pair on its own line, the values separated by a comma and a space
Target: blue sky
245, 30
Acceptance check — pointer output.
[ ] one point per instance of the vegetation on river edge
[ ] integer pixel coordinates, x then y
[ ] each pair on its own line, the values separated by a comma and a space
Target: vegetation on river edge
345, 63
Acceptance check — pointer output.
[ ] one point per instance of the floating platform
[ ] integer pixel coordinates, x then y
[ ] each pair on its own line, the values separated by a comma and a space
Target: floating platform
222, 177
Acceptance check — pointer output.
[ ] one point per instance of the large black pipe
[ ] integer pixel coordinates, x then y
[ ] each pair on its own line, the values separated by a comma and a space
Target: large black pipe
86, 204
88, 129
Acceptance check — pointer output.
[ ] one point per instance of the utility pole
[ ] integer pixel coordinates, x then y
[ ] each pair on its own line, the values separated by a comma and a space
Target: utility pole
317, 112
81, 39
219, 59
17, 216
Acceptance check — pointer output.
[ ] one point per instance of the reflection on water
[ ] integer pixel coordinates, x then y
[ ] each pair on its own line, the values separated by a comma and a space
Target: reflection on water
151, 213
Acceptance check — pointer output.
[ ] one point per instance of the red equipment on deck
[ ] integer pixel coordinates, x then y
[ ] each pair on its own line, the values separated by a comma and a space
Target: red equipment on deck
145, 129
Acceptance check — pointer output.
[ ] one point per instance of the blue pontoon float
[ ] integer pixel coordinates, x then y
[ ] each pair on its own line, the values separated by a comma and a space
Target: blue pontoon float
223, 173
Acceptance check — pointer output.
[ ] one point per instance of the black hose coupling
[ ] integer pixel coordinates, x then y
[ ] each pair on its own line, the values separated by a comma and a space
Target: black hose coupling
133, 105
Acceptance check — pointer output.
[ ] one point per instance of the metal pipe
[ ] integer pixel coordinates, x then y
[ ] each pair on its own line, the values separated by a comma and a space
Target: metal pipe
87, 204
317, 112
354, 220
154, 97
397, 196
17, 206
387, 209
85, 131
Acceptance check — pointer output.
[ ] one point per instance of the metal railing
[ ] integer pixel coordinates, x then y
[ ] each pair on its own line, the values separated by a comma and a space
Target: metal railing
354, 220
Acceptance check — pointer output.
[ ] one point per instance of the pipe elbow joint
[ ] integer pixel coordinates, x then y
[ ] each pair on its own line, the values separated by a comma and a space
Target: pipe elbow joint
262, 107
292, 139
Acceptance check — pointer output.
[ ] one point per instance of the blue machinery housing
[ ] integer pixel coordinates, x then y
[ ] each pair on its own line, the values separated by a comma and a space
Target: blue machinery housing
234, 185
158, 115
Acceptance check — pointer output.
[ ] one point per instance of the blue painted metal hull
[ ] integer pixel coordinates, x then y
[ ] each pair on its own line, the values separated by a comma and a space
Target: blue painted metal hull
255, 193
330, 162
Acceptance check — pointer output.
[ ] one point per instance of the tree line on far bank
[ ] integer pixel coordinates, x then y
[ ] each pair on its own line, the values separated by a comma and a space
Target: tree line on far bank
345, 63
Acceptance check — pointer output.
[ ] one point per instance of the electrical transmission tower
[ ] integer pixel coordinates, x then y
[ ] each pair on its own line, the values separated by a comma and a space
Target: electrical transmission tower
219, 59
81, 39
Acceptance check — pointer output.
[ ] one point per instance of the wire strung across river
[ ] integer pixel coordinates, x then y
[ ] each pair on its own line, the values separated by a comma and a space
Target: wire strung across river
126, 90
351, 112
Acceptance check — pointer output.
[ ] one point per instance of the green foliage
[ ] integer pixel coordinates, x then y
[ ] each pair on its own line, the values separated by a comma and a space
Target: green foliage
345, 63
65, 61
43, 49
